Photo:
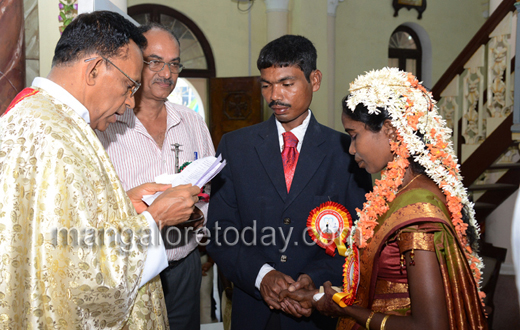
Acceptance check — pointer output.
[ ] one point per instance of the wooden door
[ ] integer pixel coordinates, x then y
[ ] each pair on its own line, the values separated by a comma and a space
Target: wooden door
235, 102
12, 54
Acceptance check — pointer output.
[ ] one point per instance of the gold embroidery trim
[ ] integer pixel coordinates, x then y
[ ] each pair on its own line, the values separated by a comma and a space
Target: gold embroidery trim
390, 305
417, 241
383, 287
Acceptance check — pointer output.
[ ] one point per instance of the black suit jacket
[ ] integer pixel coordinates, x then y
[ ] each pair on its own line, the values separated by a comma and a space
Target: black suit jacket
250, 197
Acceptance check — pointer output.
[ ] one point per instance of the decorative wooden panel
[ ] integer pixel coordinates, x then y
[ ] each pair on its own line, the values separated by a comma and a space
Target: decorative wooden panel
234, 103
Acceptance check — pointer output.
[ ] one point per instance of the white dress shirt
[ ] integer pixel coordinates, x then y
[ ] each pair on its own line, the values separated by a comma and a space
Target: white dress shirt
299, 132
138, 159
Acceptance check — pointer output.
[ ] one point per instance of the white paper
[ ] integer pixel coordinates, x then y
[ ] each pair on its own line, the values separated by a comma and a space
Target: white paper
321, 292
198, 173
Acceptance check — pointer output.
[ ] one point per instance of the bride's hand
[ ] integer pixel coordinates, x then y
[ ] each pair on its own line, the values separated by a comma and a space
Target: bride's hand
327, 306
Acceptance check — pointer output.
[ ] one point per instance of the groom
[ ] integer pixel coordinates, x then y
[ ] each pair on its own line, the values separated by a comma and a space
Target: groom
277, 173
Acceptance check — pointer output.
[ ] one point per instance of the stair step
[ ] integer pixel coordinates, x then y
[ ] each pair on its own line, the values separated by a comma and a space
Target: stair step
493, 186
511, 166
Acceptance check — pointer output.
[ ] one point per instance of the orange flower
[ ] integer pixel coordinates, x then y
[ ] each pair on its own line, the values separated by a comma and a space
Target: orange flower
413, 119
439, 160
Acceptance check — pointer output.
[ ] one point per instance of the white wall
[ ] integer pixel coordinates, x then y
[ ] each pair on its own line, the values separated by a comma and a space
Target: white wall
363, 29
498, 230
48, 12
226, 29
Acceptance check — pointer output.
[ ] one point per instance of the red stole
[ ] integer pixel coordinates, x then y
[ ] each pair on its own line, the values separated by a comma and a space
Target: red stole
26, 92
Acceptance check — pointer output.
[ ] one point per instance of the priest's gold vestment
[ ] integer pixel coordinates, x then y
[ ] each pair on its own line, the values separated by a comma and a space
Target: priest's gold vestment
55, 176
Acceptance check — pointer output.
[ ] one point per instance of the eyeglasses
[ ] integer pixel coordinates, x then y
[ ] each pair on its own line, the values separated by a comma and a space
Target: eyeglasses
156, 66
136, 84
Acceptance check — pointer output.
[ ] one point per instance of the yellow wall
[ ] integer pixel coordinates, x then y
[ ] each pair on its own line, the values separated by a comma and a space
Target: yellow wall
226, 29
363, 32
309, 19
363, 29
48, 12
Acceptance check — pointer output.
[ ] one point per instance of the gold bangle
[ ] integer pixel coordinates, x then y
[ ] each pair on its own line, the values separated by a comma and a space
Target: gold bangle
383, 323
369, 319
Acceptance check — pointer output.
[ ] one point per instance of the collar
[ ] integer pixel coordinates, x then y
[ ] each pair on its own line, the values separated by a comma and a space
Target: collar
128, 118
173, 115
299, 131
62, 95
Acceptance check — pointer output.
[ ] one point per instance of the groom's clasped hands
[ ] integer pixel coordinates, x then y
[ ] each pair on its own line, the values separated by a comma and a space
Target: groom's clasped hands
280, 291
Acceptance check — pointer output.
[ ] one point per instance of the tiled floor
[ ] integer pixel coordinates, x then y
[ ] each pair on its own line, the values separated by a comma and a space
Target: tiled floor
507, 308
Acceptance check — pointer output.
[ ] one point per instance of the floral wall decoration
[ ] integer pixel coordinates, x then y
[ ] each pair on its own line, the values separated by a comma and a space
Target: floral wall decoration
68, 10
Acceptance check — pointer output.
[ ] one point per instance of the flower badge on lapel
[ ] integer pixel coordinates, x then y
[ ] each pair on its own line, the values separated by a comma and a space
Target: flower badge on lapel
329, 226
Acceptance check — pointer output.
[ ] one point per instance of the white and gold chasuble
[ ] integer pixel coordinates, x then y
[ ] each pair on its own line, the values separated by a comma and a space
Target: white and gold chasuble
54, 174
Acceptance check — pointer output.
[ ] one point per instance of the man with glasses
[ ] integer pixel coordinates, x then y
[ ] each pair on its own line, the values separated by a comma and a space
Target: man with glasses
150, 141
75, 252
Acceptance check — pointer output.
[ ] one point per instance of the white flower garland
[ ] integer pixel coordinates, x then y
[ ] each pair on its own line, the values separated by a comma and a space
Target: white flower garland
413, 110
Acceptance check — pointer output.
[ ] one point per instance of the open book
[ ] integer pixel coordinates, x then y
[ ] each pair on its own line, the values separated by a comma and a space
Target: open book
197, 173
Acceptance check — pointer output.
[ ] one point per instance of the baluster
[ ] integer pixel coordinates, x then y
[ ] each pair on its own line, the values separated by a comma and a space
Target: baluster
499, 75
450, 110
516, 107
472, 108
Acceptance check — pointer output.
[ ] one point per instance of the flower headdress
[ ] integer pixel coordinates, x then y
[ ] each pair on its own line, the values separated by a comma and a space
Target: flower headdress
421, 133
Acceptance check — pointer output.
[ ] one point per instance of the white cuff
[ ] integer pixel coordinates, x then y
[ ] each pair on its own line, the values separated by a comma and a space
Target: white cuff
264, 270
203, 206
156, 259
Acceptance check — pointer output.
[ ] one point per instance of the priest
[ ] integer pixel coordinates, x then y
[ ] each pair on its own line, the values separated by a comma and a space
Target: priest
76, 250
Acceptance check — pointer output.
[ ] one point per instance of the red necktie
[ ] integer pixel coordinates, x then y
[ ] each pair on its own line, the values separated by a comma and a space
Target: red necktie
289, 157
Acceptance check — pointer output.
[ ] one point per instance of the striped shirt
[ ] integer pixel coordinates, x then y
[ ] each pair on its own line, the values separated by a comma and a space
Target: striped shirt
138, 159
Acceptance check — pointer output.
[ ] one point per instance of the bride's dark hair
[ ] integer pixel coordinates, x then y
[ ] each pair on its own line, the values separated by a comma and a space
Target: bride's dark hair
374, 122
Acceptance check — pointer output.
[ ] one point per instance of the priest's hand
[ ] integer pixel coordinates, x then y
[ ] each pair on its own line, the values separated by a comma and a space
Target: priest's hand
174, 205
272, 284
136, 194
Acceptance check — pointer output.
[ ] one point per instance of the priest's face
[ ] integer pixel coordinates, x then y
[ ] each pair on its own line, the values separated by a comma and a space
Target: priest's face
288, 93
118, 77
159, 82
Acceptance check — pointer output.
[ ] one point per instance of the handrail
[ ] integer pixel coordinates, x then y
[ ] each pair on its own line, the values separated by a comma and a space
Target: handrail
488, 152
480, 38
